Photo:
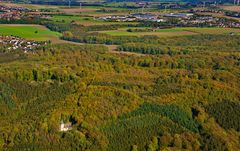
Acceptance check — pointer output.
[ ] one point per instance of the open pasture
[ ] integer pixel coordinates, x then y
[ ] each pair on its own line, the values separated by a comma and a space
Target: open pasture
31, 32
172, 31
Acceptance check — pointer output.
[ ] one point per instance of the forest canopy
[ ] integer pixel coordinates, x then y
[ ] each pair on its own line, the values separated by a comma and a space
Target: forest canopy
122, 101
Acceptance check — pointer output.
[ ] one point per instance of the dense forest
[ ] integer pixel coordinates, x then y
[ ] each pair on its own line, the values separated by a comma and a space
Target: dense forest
179, 93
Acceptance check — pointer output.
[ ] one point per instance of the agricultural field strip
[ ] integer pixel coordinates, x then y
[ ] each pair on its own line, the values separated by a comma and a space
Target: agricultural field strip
31, 32
172, 32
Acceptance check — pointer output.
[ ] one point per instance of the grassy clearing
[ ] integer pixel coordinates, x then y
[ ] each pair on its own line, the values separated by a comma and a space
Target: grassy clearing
173, 31
31, 32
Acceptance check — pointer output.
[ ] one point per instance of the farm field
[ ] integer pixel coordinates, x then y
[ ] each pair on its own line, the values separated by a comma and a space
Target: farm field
213, 30
31, 6
74, 10
31, 32
173, 31
87, 9
231, 8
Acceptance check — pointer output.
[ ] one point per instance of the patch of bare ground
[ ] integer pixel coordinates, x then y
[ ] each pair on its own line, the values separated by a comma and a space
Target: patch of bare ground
231, 8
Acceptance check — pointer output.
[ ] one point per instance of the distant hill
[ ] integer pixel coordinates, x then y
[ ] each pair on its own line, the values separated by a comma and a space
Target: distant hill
191, 1
57, 2
76, 2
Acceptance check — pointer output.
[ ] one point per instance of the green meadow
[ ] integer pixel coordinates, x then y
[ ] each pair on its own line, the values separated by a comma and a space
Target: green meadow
34, 32
172, 31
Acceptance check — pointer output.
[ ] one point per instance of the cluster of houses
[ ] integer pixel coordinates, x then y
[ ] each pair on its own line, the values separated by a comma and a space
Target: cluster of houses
12, 12
132, 17
206, 11
15, 43
230, 25
12, 8
203, 20
233, 14
147, 17
181, 19
210, 21
217, 11
175, 5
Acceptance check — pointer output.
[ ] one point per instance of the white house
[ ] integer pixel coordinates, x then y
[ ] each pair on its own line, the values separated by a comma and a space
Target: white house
65, 126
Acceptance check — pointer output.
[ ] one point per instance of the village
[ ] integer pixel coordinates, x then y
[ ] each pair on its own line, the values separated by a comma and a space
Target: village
176, 5
132, 18
17, 12
180, 19
12, 12
13, 43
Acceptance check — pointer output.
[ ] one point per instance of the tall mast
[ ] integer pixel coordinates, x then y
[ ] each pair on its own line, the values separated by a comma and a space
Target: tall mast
69, 3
